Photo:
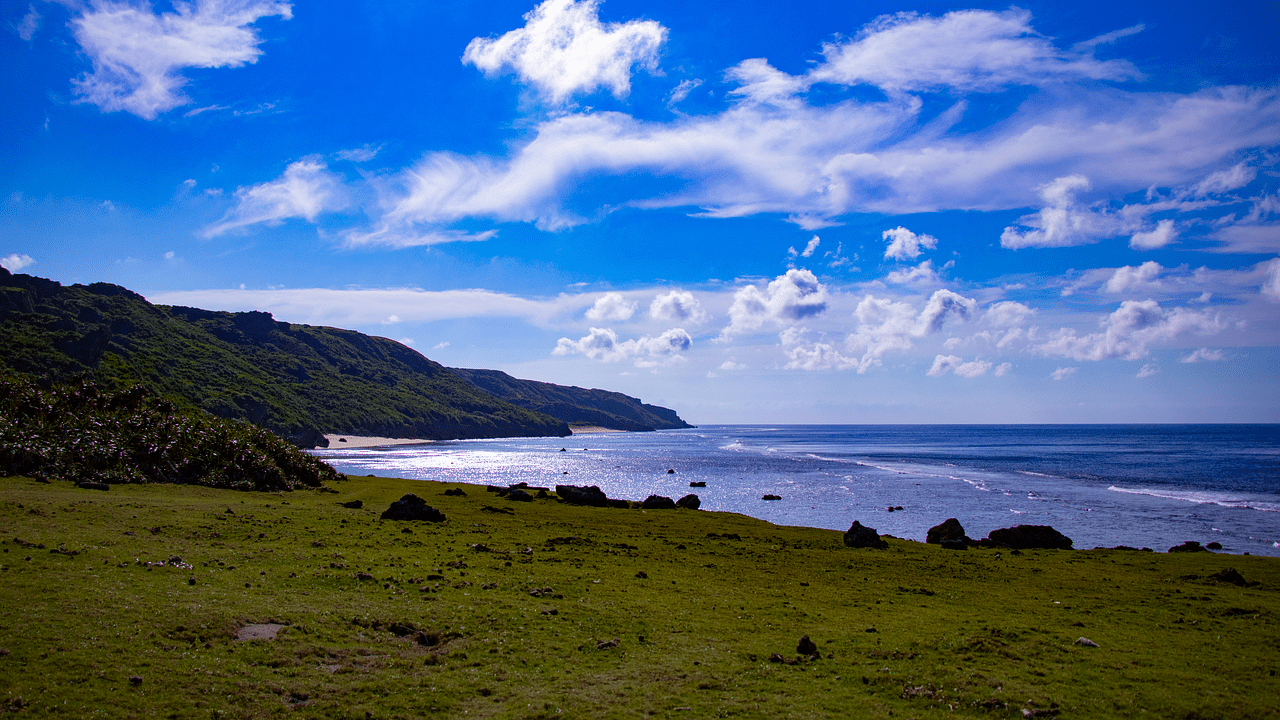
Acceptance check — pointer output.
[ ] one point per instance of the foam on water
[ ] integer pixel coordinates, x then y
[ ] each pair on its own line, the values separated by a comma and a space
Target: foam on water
1151, 486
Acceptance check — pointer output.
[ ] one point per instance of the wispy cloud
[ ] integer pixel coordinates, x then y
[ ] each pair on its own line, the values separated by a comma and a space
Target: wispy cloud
28, 25
304, 190
138, 55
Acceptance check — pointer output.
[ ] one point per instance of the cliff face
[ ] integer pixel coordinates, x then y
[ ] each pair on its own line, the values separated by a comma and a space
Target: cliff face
292, 379
575, 405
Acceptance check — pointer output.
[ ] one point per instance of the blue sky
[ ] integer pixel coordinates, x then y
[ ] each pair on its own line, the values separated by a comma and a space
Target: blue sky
755, 212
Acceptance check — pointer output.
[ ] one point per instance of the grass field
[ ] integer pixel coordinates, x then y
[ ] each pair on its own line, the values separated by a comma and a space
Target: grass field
127, 603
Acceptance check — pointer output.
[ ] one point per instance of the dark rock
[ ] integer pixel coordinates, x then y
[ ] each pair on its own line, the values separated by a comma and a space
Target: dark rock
1026, 537
671, 472
93, 485
658, 502
642, 575
775, 658
412, 507
955, 545
771, 497
455, 492
697, 484
607, 644
689, 502
354, 504
620, 504
519, 495
859, 536
135, 680
1214, 545
364, 576
1229, 575
1188, 546
575, 495
807, 647
307, 438
949, 530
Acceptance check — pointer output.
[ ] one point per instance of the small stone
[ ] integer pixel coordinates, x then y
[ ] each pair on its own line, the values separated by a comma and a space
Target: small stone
1086, 642
807, 647
135, 680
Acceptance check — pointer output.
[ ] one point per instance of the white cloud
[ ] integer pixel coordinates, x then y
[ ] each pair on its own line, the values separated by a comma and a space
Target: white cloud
1063, 221
943, 364
1008, 313
1163, 234
1271, 282
1204, 355
138, 55
817, 356
966, 50
1129, 331
564, 49
611, 307
886, 326
438, 346
406, 341
16, 261
920, 274
905, 245
305, 189
1004, 369
682, 91
1062, 373
26, 28
732, 364
1226, 180
360, 154
791, 297
813, 245
1148, 370
603, 344
1142, 277
678, 305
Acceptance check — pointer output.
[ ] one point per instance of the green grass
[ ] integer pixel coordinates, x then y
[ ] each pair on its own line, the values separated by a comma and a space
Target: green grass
912, 631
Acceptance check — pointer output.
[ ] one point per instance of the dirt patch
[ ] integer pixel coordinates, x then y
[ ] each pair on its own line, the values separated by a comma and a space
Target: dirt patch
262, 631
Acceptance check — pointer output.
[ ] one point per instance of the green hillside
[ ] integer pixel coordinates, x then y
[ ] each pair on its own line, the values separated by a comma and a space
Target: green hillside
575, 405
296, 380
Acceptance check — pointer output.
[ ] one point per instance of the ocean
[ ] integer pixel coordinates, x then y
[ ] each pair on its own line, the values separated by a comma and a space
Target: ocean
1102, 485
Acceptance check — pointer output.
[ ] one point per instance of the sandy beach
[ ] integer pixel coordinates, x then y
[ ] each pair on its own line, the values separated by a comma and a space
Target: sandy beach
337, 442
592, 430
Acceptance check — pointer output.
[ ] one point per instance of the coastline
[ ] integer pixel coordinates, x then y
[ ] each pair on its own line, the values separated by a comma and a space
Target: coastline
592, 429
338, 441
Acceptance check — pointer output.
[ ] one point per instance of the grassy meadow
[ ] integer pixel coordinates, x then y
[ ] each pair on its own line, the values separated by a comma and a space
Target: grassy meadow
127, 603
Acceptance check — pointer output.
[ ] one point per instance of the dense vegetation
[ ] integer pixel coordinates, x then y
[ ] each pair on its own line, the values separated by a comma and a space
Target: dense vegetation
292, 379
128, 604
80, 432
575, 405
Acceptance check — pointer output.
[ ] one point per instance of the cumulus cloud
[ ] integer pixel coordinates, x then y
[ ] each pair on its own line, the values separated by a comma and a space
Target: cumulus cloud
678, 305
1003, 369
1204, 355
1148, 370
611, 307
922, 273
16, 261
1008, 313
1062, 373
564, 49
905, 245
886, 326
943, 364
1163, 234
1144, 276
1063, 221
1270, 288
791, 297
304, 190
648, 351
138, 55
966, 50
1129, 331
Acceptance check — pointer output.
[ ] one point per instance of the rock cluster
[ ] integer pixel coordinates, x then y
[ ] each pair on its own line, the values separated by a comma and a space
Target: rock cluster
860, 536
412, 507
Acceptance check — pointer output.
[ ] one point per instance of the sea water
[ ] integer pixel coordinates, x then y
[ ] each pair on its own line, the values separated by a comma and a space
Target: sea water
1102, 485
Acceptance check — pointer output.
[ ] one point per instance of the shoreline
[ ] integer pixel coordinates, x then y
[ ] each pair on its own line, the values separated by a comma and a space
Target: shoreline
592, 429
338, 441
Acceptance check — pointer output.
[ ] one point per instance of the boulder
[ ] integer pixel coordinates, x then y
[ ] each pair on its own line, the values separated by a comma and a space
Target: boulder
353, 504
1026, 537
1229, 575
859, 536
771, 497
689, 502
1189, 546
949, 531
575, 495
519, 495
807, 647
955, 545
412, 507
620, 504
658, 502
307, 438
698, 483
